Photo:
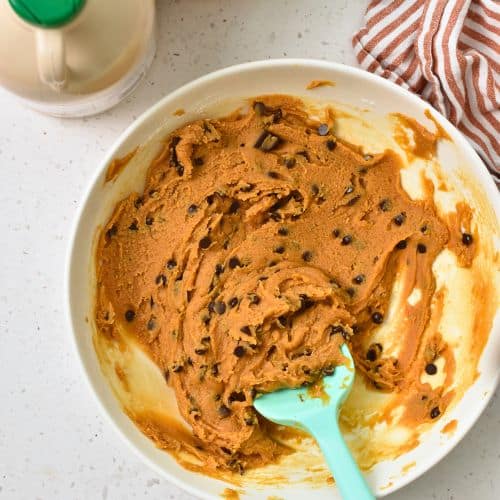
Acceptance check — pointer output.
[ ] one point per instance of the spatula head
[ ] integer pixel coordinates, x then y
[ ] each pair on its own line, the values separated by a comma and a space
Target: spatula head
291, 406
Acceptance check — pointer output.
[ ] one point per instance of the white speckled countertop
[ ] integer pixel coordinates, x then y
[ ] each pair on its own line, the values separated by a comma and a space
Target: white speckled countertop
54, 443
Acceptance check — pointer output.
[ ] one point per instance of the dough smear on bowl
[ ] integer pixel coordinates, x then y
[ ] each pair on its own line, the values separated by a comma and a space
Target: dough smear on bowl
260, 244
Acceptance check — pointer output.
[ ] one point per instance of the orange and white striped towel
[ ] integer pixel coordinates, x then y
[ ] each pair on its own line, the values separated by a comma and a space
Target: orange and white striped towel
448, 52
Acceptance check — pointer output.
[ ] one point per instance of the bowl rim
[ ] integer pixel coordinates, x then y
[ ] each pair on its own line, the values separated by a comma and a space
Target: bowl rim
310, 63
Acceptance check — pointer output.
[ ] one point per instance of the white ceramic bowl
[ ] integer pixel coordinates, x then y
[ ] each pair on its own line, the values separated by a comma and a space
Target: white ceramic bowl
353, 87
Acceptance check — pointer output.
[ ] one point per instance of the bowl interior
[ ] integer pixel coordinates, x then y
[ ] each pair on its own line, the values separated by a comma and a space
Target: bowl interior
216, 94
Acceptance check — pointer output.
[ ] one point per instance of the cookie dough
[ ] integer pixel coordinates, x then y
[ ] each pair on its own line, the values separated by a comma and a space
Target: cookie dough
260, 244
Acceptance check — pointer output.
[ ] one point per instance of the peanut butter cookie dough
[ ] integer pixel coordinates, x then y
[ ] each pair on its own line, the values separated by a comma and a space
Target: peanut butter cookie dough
260, 244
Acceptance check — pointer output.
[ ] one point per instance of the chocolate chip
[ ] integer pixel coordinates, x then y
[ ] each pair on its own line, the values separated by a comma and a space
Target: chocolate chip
234, 262
431, 369
399, 219
219, 269
250, 420
111, 231
353, 201
331, 144
289, 161
401, 245
215, 369
161, 279
237, 396
259, 108
351, 292
269, 142
337, 329
220, 307
371, 354
424, 229
235, 205
247, 188
377, 318
360, 278
210, 199
467, 239
236, 466
171, 264
307, 256
195, 412
151, 324
129, 315
282, 321
336, 233
149, 220
138, 202
273, 175
280, 249
224, 412
277, 116
205, 242
198, 162
239, 351
245, 329
176, 368
180, 170
233, 302
283, 231
329, 370
385, 205
201, 350
254, 299
192, 209
435, 412
260, 139
421, 248
323, 129
133, 226
305, 302
346, 240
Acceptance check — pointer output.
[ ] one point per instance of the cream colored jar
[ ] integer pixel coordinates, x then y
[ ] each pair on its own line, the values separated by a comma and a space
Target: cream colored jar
74, 57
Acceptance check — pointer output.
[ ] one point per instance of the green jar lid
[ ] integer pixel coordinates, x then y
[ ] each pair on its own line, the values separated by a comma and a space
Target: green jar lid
47, 13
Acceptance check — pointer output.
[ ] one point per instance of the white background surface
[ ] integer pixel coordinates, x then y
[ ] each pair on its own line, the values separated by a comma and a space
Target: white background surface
53, 442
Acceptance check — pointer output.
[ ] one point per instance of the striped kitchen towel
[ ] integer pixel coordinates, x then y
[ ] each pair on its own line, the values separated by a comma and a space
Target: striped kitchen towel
448, 52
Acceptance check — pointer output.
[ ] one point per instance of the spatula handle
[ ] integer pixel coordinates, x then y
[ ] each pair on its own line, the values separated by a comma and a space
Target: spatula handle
348, 477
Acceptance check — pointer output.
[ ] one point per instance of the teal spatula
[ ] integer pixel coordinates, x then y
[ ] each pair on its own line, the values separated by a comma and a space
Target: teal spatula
319, 416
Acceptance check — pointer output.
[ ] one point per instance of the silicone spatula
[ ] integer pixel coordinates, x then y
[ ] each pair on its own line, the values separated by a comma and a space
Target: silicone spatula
319, 416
